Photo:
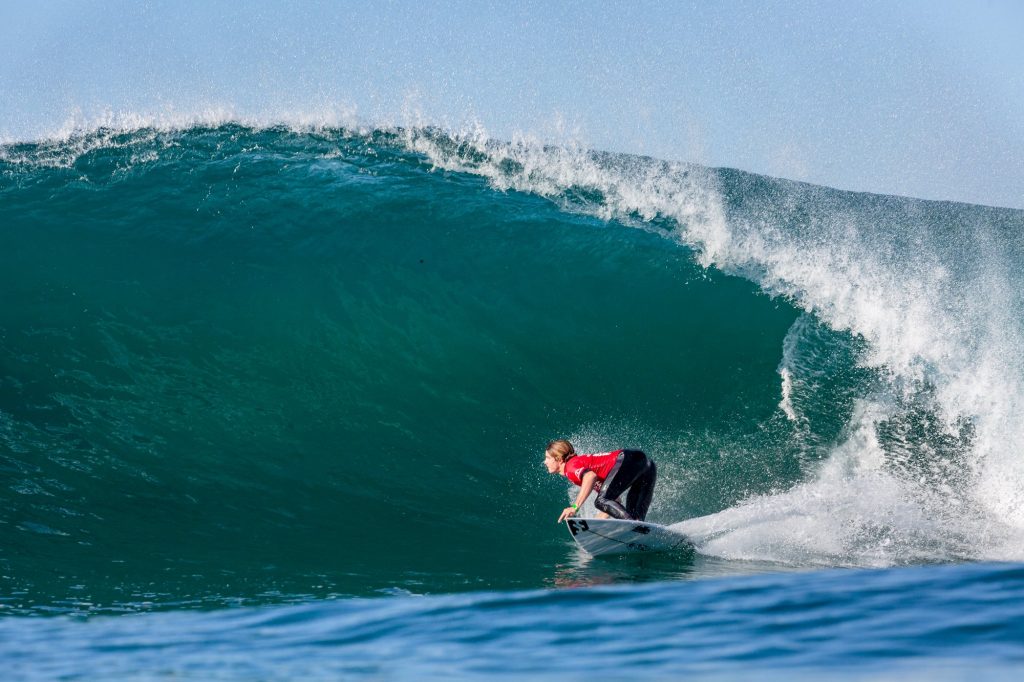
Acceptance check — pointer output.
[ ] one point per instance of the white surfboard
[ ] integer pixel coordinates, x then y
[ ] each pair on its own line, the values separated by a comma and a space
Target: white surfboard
615, 536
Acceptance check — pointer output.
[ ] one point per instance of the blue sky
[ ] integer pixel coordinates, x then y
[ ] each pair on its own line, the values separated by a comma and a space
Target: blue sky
917, 98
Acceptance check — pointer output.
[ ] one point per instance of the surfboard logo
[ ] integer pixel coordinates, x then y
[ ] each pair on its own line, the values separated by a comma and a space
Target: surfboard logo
575, 526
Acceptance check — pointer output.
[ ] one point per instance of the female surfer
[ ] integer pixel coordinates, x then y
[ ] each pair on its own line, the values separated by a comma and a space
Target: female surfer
610, 474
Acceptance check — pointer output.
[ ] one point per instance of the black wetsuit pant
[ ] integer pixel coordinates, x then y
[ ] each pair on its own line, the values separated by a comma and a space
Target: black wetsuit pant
634, 471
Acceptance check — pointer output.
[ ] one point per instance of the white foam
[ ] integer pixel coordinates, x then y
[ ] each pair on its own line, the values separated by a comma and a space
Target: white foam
786, 404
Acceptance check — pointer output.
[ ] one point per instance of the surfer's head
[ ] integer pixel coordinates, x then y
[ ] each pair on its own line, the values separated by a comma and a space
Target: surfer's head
557, 454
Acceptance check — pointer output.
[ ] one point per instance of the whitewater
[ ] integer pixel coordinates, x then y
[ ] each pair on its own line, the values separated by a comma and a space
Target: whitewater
301, 375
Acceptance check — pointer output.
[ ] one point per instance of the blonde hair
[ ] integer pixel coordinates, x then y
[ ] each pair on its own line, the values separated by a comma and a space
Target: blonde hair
561, 450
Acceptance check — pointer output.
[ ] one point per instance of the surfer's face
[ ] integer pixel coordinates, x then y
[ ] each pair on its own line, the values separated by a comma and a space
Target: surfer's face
551, 463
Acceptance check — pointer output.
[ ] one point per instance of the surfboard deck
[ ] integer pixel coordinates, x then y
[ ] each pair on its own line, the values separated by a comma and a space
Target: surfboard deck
599, 537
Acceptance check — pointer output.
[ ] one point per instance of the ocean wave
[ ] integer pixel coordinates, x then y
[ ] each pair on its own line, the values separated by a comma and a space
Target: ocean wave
321, 353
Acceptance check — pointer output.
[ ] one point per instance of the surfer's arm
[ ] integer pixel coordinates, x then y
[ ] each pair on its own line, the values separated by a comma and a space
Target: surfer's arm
589, 480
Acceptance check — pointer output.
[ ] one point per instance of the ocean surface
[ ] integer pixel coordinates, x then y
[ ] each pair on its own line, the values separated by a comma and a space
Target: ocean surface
274, 400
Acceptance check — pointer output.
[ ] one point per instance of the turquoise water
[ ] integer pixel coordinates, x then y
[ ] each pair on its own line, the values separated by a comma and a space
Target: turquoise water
299, 381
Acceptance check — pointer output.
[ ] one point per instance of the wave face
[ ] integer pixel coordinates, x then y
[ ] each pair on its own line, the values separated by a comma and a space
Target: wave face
263, 364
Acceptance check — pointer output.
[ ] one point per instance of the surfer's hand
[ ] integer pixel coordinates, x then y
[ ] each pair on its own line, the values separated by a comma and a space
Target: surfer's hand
566, 513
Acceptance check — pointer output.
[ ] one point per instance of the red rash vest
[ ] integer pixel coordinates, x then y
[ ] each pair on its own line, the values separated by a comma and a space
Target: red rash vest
600, 464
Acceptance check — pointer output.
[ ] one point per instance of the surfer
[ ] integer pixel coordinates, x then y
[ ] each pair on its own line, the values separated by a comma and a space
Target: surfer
610, 474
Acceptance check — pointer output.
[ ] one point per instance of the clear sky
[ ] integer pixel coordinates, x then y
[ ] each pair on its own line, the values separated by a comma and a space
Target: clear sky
924, 98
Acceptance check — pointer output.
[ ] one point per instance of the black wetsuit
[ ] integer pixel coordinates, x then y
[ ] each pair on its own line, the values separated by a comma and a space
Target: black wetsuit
633, 470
